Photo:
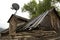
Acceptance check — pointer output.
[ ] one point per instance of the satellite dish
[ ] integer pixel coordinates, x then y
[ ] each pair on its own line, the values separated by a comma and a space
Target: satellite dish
15, 6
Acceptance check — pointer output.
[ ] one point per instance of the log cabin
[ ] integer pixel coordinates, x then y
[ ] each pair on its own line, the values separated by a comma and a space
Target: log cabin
46, 26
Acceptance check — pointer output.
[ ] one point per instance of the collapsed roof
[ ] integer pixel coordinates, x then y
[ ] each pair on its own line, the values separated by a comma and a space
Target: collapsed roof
35, 22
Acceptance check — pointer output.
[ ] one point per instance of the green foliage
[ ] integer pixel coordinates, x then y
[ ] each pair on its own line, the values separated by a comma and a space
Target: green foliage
35, 9
44, 6
58, 0
31, 8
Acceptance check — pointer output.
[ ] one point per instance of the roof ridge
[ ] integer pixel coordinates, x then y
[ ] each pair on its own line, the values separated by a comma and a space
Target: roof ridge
18, 17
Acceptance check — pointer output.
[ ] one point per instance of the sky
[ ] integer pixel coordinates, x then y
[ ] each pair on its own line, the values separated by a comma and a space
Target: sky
6, 11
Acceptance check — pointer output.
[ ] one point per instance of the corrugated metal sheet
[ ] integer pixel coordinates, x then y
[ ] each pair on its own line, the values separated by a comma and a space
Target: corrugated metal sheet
34, 23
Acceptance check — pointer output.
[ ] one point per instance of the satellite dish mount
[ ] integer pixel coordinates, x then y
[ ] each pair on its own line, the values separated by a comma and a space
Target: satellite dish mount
15, 6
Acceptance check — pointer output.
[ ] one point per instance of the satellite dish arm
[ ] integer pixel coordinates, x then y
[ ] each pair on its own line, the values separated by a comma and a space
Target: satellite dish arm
15, 12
